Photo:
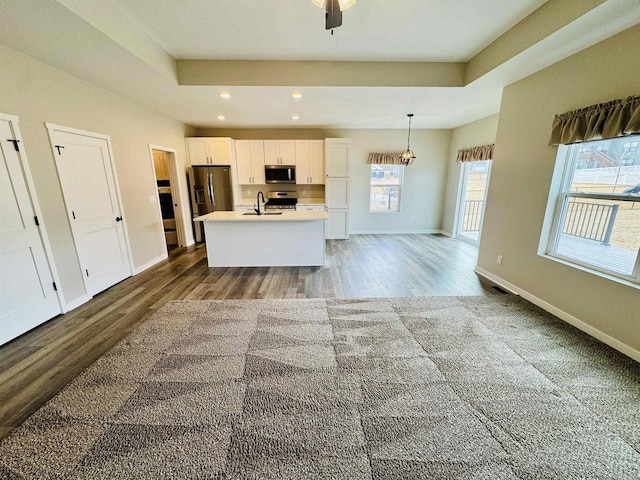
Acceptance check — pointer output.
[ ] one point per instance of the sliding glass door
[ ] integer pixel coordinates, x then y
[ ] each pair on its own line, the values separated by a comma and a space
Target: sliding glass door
472, 199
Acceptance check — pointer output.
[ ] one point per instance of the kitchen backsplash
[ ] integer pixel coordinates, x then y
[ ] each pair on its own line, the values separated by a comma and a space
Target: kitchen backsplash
304, 191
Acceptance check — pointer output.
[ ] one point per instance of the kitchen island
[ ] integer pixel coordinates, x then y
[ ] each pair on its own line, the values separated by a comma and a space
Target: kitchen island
289, 239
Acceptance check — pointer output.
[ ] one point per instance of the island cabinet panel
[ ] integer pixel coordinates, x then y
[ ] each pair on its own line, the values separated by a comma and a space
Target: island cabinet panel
279, 152
288, 239
309, 162
250, 162
210, 150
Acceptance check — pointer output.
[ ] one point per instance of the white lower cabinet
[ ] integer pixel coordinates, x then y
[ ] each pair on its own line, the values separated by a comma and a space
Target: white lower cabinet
337, 226
311, 208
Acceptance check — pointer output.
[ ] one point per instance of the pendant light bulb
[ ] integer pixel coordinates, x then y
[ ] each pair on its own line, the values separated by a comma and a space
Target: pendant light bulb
407, 156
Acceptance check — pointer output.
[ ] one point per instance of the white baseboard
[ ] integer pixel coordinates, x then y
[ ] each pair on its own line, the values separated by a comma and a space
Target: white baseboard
149, 264
561, 314
75, 303
392, 232
446, 233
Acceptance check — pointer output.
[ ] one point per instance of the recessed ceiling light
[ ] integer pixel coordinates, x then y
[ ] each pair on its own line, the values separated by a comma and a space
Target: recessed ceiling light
224, 95
295, 117
296, 95
221, 117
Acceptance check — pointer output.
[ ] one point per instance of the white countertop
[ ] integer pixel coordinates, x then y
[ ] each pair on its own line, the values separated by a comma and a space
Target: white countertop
239, 217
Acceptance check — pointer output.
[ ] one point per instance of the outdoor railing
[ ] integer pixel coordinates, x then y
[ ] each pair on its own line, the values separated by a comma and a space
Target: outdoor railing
472, 215
593, 221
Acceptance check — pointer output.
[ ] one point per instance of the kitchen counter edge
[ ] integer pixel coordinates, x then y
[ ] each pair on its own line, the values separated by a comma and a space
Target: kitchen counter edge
237, 216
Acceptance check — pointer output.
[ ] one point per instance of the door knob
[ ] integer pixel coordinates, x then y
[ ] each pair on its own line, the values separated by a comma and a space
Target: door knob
118, 219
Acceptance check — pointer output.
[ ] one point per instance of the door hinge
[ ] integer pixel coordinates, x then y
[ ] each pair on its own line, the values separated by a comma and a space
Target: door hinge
86, 271
55, 287
35, 219
15, 144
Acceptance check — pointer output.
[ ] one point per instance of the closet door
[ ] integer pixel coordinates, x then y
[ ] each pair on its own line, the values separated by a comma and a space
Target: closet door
27, 294
89, 187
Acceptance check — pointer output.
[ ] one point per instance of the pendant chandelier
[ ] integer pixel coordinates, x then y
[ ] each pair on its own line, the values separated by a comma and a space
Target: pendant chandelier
333, 9
407, 156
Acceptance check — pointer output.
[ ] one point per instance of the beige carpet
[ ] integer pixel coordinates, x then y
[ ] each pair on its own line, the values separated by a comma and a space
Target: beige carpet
441, 387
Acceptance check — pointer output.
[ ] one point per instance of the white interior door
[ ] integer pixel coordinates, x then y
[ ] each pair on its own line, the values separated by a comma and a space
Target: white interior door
27, 294
88, 185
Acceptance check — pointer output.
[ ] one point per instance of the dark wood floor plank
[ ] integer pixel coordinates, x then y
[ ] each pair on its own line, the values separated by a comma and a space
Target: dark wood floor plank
37, 365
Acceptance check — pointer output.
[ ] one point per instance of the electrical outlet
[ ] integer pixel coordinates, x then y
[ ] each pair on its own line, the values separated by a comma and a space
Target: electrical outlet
499, 260
152, 199
249, 192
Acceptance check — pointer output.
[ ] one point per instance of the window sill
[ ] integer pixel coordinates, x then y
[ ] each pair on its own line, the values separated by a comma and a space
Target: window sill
384, 211
577, 266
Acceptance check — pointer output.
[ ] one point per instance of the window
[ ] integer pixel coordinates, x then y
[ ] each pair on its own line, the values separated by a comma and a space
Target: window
596, 223
385, 188
630, 147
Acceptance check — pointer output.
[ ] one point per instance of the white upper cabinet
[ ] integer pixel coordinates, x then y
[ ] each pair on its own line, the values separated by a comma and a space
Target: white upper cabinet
210, 150
309, 162
337, 152
316, 161
250, 162
279, 152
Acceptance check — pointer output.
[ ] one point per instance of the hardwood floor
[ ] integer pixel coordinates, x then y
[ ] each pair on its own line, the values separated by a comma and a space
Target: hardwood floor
37, 365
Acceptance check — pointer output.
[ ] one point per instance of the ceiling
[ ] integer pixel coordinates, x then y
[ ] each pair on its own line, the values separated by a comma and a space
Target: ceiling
450, 60
373, 30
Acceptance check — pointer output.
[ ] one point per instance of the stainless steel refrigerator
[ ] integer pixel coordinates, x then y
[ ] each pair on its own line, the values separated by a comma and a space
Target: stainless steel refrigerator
210, 192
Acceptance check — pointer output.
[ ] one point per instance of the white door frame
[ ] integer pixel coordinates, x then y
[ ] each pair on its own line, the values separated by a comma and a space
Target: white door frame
14, 124
176, 193
51, 128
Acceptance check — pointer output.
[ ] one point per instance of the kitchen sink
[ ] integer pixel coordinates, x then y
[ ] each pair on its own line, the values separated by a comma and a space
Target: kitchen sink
263, 213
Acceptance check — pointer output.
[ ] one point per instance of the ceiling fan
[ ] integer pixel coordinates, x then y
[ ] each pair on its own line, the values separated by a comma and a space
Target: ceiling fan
333, 9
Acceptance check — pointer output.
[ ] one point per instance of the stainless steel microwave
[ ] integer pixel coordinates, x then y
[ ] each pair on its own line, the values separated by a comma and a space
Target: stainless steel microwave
280, 173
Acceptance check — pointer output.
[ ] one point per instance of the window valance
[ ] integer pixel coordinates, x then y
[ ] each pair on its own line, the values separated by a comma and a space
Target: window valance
474, 154
392, 158
603, 120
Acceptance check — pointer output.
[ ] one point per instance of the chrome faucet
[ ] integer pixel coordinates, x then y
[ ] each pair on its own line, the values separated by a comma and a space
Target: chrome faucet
260, 194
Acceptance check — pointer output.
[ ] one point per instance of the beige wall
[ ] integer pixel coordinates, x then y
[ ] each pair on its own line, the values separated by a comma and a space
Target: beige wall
424, 181
37, 93
520, 180
480, 132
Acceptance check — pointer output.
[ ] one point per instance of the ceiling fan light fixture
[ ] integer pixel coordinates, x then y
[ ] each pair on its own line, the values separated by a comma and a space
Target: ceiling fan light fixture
407, 157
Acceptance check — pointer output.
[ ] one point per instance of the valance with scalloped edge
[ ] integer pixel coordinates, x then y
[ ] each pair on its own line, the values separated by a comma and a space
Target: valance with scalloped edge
392, 158
616, 118
475, 154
